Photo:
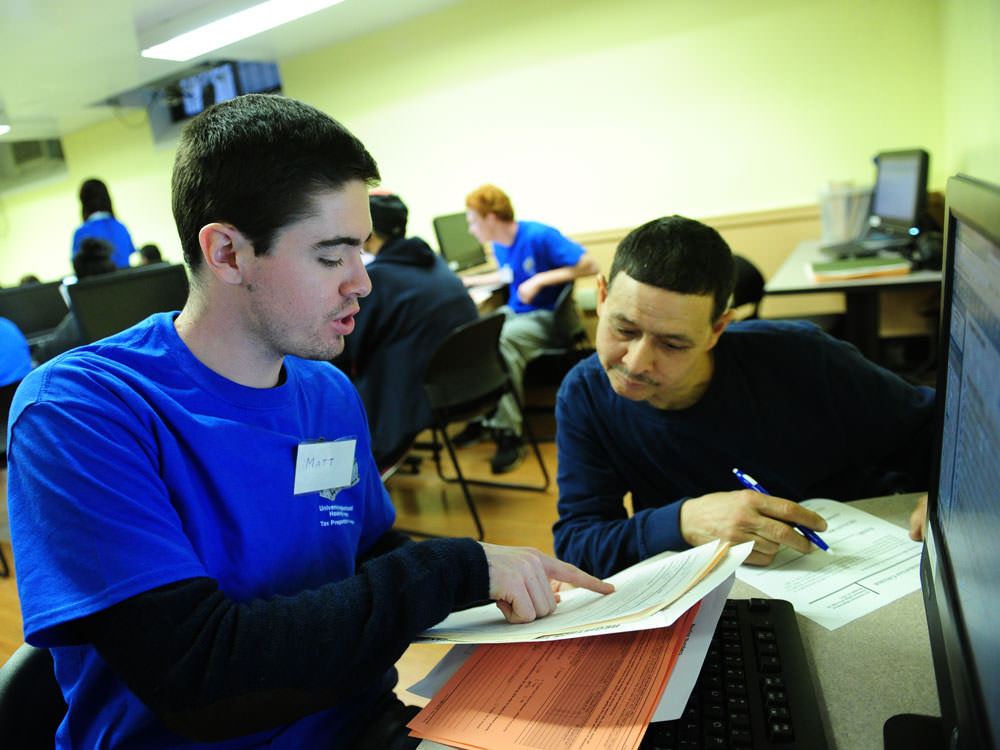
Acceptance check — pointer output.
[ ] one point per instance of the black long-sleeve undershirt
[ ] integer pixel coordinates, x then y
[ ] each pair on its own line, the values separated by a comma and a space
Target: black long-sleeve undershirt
211, 668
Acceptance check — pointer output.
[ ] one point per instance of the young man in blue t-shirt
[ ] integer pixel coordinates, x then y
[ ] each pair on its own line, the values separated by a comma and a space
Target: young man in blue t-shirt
677, 396
536, 261
202, 537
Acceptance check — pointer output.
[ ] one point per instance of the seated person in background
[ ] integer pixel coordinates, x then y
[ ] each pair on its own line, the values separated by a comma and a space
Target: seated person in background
202, 537
99, 221
149, 254
15, 356
675, 397
537, 261
15, 363
29, 278
415, 302
92, 259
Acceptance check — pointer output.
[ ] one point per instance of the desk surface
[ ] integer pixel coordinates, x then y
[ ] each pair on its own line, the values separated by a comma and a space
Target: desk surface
876, 666
794, 277
872, 668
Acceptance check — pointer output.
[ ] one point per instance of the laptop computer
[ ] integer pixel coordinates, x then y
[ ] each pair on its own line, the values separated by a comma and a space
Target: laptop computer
461, 250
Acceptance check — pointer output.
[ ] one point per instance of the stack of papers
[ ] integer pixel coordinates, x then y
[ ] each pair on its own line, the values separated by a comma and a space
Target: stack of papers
592, 673
595, 671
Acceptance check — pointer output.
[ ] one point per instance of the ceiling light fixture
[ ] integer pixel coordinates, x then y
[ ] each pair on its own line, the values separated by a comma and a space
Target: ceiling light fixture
185, 45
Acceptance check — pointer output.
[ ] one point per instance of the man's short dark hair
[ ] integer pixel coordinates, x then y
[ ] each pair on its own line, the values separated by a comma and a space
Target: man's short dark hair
680, 255
256, 162
93, 258
389, 215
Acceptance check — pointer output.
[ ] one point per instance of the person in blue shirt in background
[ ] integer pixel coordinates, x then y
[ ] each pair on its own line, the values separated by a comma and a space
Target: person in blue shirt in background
202, 537
15, 363
677, 396
15, 354
99, 221
536, 261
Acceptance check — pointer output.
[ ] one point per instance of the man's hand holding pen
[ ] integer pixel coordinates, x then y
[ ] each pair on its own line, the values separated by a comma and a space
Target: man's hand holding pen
747, 515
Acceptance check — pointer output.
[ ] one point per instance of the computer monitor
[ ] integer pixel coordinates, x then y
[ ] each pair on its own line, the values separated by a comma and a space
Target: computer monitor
460, 249
220, 82
961, 556
34, 308
106, 304
899, 199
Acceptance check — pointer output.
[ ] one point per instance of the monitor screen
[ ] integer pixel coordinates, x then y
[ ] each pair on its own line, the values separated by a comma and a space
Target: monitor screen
106, 304
34, 308
458, 247
900, 194
223, 81
961, 556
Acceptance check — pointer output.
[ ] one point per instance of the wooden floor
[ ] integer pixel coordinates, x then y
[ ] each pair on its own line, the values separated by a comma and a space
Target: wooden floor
425, 503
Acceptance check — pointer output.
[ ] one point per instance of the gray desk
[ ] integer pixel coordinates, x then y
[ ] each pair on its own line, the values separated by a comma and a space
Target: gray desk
874, 667
862, 318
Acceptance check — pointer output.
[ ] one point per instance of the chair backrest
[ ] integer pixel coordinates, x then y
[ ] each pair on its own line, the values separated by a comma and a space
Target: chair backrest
109, 303
749, 288
34, 308
31, 704
568, 326
466, 376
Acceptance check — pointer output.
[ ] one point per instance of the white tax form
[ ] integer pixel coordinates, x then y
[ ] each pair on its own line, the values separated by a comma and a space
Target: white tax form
871, 563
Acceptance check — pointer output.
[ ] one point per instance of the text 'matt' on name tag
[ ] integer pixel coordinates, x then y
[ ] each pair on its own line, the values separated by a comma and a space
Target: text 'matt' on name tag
324, 466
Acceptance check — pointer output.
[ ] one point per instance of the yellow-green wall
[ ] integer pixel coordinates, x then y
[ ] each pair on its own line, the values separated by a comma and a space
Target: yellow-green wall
600, 114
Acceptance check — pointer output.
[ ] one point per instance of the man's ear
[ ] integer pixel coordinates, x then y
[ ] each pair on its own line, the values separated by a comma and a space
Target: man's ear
220, 249
602, 292
720, 325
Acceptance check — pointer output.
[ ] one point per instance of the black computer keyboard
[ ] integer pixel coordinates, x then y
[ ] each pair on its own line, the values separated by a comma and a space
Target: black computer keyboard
755, 689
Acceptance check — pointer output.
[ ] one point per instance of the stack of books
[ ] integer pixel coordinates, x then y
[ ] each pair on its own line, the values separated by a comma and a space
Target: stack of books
859, 268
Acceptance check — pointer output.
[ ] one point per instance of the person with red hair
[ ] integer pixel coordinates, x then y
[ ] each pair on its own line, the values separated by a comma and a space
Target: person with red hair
537, 261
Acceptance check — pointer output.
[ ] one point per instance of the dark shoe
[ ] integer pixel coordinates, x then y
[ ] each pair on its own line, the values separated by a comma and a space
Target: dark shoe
474, 432
509, 453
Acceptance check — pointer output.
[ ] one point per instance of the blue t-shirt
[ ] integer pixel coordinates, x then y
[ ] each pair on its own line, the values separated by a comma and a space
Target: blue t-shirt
133, 465
537, 247
106, 227
15, 355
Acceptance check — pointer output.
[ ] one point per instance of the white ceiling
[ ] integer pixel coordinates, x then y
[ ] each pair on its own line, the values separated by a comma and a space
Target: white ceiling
60, 57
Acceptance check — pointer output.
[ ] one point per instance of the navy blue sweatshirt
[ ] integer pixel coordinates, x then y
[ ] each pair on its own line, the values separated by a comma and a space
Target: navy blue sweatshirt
805, 414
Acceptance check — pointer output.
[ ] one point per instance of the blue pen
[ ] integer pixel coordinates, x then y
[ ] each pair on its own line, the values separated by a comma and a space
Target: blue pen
751, 484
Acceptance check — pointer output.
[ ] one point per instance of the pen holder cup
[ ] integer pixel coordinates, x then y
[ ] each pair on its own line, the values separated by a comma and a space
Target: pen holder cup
843, 212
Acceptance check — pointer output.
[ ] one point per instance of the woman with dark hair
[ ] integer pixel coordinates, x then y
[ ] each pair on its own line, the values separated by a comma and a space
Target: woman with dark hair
99, 221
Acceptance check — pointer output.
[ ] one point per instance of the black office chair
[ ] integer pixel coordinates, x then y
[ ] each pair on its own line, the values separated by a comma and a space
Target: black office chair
544, 372
31, 703
749, 288
400, 460
466, 378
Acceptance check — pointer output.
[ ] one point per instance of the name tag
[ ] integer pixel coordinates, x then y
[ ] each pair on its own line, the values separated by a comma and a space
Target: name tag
323, 466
